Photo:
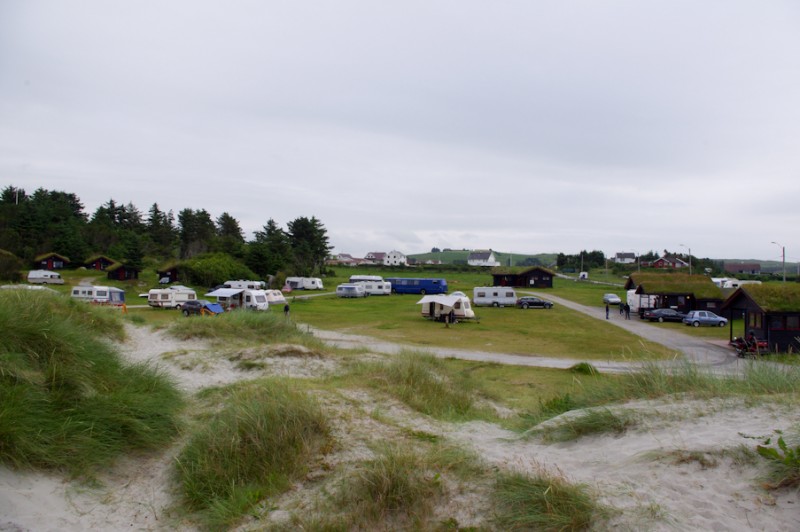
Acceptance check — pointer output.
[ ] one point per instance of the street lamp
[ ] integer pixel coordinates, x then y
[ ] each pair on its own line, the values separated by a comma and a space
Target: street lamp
690, 256
783, 259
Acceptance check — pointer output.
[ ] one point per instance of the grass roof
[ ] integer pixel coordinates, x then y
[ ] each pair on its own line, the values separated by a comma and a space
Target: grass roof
676, 283
517, 270
50, 254
775, 297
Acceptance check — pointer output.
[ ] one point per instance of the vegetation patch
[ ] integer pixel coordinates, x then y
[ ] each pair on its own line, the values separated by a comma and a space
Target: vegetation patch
426, 384
591, 422
67, 400
784, 461
264, 437
543, 502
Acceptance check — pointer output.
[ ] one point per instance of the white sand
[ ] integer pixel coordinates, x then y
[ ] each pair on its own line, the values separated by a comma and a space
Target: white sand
640, 473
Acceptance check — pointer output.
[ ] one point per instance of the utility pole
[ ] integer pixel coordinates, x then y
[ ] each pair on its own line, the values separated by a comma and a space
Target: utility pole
783, 259
690, 256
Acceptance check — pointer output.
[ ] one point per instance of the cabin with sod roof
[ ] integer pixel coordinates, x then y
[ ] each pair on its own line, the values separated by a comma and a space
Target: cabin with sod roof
771, 311
50, 261
122, 272
534, 277
99, 262
679, 291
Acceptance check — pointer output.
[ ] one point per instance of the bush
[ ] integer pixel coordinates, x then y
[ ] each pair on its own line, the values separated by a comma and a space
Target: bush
215, 268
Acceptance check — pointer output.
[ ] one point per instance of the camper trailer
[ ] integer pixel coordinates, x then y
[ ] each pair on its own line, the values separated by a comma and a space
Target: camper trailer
351, 290
304, 283
235, 298
494, 296
441, 307
275, 297
172, 297
44, 277
639, 302
101, 295
252, 285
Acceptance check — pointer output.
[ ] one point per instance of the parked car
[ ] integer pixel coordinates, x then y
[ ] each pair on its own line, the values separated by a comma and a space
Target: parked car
533, 302
662, 314
200, 307
611, 299
696, 318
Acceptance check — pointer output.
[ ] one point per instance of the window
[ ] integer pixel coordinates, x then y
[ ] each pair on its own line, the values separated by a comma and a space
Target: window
776, 323
793, 322
102, 293
481, 294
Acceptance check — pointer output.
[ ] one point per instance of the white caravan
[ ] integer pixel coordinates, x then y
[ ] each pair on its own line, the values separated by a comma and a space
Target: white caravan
233, 298
440, 307
351, 290
640, 301
44, 277
374, 285
494, 296
275, 297
252, 285
102, 295
172, 297
304, 283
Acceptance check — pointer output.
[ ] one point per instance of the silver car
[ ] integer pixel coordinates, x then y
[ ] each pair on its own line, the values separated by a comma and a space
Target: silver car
611, 299
696, 318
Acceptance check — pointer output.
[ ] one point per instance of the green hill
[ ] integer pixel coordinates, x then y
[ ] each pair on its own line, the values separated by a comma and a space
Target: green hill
459, 256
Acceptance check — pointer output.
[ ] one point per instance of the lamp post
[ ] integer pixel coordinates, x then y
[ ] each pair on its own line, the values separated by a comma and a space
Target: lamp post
690, 256
783, 259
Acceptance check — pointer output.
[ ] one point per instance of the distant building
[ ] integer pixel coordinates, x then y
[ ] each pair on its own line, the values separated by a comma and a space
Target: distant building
666, 261
536, 277
482, 258
50, 261
375, 257
99, 262
395, 258
752, 268
625, 258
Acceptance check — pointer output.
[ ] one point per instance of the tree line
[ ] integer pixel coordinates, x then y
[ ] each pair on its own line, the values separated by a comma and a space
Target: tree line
54, 221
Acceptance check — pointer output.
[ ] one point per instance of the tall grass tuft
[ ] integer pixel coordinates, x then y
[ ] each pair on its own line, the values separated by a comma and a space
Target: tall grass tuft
590, 422
397, 484
253, 448
425, 384
244, 326
655, 380
66, 399
542, 502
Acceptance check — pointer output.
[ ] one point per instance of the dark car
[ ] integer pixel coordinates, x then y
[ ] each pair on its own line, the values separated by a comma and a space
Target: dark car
663, 314
533, 302
200, 307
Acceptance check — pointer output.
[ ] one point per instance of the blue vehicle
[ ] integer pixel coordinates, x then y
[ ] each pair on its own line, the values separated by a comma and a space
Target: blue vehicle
415, 285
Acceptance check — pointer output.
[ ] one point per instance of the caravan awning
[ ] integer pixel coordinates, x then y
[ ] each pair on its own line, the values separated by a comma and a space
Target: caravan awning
225, 292
446, 301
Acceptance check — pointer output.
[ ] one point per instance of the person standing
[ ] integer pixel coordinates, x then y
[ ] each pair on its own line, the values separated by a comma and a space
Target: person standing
606, 310
627, 311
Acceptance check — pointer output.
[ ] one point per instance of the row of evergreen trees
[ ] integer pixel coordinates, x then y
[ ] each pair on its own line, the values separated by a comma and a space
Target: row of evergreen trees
55, 221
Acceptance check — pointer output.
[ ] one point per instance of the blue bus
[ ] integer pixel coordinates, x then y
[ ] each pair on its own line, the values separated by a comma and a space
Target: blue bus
414, 285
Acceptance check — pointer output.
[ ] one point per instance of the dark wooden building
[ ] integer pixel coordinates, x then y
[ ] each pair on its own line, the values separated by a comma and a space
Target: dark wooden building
534, 277
50, 261
168, 274
121, 272
680, 291
99, 262
771, 311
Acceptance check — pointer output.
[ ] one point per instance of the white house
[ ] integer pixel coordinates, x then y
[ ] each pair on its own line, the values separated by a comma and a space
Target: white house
395, 258
625, 258
482, 258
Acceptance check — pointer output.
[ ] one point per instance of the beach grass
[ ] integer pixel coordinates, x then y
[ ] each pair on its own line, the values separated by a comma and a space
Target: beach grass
67, 399
264, 436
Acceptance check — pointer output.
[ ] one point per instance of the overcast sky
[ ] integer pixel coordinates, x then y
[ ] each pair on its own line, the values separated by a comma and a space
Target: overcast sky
522, 126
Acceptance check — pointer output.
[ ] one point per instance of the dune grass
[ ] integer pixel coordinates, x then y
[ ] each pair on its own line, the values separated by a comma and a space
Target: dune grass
66, 399
591, 422
242, 327
263, 437
654, 381
543, 502
425, 383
